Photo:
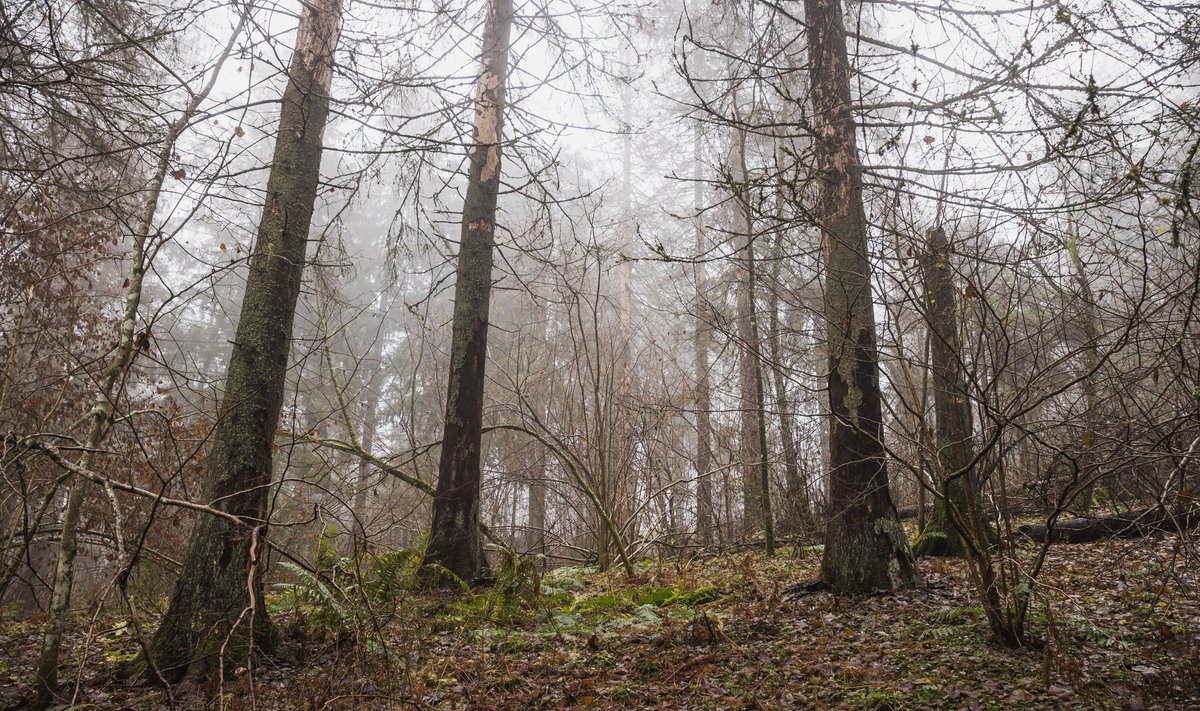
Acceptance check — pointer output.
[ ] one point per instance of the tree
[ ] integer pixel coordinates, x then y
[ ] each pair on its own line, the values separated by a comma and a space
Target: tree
865, 547
753, 440
112, 380
217, 613
701, 345
955, 471
454, 543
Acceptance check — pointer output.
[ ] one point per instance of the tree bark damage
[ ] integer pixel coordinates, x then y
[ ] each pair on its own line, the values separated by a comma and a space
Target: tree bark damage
455, 550
865, 549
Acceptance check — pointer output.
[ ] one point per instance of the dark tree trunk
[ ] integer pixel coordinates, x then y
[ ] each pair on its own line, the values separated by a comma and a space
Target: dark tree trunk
955, 474
109, 388
797, 512
217, 612
705, 519
454, 542
1084, 485
756, 491
749, 385
865, 547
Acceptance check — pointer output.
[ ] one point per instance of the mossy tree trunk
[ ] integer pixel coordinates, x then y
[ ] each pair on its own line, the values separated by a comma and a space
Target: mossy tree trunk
108, 391
454, 543
705, 516
216, 615
955, 474
865, 547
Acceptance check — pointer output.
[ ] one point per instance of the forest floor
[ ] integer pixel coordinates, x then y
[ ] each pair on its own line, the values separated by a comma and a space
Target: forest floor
1115, 625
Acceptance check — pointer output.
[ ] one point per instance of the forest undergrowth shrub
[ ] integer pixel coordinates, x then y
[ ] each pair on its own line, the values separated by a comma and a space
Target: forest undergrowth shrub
346, 600
516, 595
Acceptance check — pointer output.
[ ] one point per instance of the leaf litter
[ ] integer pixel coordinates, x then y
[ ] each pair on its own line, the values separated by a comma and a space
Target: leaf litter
1115, 625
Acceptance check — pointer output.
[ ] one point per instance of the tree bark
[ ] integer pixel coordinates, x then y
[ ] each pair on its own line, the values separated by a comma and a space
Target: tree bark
797, 512
955, 475
535, 539
100, 417
1080, 502
703, 344
454, 543
216, 615
756, 503
865, 547
370, 417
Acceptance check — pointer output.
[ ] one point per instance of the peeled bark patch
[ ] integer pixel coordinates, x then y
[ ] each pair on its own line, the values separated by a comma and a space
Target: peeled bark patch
865, 548
455, 550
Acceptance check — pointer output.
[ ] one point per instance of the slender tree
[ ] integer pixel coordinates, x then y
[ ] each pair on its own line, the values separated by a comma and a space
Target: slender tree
753, 453
216, 613
454, 543
1089, 327
865, 547
702, 344
796, 514
112, 380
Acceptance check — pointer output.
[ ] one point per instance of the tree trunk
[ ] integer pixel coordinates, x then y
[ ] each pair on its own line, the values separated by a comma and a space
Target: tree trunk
217, 614
797, 512
955, 475
101, 415
703, 344
1080, 502
454, 542
755, 473
370, 426
535, 541
865, 547
1133, 524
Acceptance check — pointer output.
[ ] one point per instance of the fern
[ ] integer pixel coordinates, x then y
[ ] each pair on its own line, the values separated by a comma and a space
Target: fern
703, 596
1107, 638
942, 634
335, 605
956, 615
310, 589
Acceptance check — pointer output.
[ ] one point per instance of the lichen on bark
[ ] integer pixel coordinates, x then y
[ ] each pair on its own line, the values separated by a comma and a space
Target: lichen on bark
865, 548
217, 615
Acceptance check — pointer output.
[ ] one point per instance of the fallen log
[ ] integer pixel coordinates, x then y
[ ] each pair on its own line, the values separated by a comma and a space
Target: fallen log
1131, 524
1018, 499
